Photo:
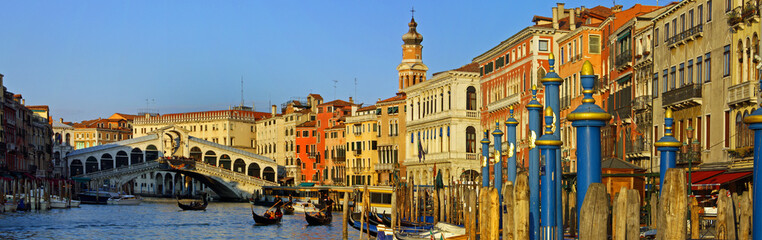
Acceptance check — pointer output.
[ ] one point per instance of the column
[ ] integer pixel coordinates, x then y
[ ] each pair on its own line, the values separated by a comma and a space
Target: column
588, 119
667, 147
552, 83
534, 108
755, 123
549, 143
498, 168
485, 159
510, 131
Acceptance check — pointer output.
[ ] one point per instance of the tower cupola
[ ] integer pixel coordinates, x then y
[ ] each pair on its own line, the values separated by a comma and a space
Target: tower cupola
412, 37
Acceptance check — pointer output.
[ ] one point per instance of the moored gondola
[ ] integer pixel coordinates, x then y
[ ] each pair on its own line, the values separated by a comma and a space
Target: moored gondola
195, 205
288, 209
318, 218
267, 220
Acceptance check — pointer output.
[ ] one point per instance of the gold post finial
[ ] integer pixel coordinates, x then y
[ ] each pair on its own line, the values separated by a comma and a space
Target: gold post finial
510, 107
550, 56
587, 68
549, 111
668, 114
534, 87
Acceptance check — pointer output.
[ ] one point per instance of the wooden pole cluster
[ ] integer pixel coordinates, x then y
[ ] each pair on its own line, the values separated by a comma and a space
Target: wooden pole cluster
594, 212
627, 215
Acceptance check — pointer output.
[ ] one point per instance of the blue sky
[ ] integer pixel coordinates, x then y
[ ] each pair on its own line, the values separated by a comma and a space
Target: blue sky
88, 59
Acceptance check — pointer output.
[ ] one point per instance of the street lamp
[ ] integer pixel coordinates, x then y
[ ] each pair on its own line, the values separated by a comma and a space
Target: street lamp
689, 155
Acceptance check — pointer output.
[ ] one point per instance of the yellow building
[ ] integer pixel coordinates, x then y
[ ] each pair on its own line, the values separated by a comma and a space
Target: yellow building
361, 136
742, 90
391, 138
100, 131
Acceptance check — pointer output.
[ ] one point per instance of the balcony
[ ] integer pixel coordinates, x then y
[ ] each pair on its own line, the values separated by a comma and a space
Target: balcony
623, 112
624, 60
384, 166
687, 35
742, 93
504, 102
642, 103
686, 96
638, 149
313, 155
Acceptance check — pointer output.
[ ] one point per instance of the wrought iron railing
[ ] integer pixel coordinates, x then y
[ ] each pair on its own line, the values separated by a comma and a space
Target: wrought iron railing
686, 35
684, 93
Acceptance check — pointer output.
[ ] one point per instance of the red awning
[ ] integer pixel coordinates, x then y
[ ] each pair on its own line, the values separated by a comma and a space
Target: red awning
702, 175
716, 181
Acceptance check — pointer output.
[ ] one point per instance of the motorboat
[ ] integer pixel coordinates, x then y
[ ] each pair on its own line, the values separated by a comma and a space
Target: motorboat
96, 197
304, 207
125, 200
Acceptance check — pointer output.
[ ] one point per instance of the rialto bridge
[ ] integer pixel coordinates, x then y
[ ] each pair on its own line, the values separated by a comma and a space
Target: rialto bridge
231, 173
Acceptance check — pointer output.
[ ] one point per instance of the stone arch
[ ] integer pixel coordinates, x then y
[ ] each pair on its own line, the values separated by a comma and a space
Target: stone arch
196, 154
91, 164
268, 174
107, 162
178, 184
469, 175
76, 167
225, 161
136, 156
168, 184
152, 153
471, 98
159, 183
239, 166
122, 159
254, 170
68, 138
470, 139
210, 158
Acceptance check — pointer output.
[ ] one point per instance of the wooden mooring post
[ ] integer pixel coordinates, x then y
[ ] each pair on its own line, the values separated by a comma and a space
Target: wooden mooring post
521, 207
508, 203
594, 213
674, 205
345, 204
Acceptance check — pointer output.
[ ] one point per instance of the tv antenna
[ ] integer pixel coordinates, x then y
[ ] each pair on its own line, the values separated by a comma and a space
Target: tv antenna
334, 88
242, 91
355, 87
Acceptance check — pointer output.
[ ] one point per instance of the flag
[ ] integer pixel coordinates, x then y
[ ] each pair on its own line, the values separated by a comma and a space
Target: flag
421, 153
432, 235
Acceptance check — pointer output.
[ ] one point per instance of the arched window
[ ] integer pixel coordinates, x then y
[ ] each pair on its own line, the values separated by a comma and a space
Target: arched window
470, 139
471, 98
746, 131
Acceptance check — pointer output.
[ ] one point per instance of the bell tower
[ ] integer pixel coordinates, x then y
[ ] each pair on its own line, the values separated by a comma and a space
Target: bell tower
411, 70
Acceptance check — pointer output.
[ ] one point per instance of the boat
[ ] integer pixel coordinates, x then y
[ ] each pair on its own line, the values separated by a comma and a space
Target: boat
125, 200
316, 218
304, 207
404, 223
440, 230
262, 220
195, 205
288, 209
96, 197
57, 203
355, 222
10, 207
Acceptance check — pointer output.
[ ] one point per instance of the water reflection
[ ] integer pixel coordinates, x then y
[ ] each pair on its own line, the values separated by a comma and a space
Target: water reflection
159, 221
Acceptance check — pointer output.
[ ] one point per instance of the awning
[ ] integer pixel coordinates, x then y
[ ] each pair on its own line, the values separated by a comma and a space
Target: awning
716, 181
307, 184
698, 176
286, 179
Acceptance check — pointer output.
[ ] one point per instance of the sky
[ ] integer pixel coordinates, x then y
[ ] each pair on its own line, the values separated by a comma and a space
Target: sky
90, 58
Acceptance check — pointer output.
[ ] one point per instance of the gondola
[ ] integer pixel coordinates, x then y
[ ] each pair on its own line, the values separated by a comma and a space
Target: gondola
388, 222
314, 218
193, 206
288, 209
356, 224
262, 220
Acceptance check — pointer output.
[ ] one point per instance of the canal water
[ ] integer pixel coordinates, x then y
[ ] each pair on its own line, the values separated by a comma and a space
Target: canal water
153, 220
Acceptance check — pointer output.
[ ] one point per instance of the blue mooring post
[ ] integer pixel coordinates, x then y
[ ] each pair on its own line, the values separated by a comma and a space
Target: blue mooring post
588, 118
485, 159
498, 168
534, 108
510, 132
667, 147
755, 123
552, 83
549, 144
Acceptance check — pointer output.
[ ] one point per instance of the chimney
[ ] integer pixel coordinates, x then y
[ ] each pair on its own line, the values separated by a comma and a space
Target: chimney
351, 100
572, 23
273, 110
354, 107
561, 11
616, 8
60, 120
555, 18
23, 102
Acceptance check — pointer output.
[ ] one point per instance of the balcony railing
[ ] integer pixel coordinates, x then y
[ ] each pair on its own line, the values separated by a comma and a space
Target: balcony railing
624, 112
742, 93
504, 102
624, 59
384, 166
686, 96
687, 35
472, 114
642, 102
313, 155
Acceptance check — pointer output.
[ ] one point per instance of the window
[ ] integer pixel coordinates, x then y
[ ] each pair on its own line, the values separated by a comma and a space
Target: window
728, 4
543, 45
689, 73
666, 32
594, 44
655, 85
698, 70
682, 22
562, 55
674, 27
471, 98
682, 75
708, 69
709, 13
690, 18
656, 37
700, 15
470, 139
726, 61
672, 79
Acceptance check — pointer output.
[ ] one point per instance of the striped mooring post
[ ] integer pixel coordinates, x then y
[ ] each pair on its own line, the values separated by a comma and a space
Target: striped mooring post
552, 83
485, 159
510, 132
667, 147
549, 144
498, 168
535, 109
